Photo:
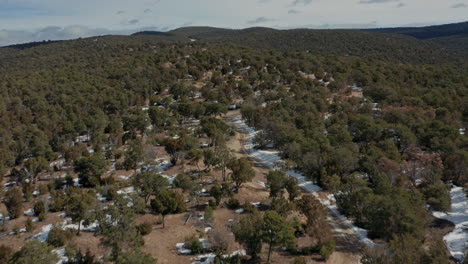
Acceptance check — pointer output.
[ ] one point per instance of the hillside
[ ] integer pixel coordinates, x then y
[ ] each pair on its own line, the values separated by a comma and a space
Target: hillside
428, 32
385, 46
124, 149
453, 37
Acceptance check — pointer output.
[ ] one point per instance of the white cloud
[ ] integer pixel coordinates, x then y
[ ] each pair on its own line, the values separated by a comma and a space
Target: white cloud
260, 20
376, 1
459, 5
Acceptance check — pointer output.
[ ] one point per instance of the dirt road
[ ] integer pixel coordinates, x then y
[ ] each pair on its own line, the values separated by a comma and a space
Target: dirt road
347, 243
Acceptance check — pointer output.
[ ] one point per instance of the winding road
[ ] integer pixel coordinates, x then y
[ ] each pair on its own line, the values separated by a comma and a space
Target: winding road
349, 239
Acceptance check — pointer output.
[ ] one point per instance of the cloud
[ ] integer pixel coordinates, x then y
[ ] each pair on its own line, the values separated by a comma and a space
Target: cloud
304, 2
263, 1
459, 5
147, 10
400, 5
260, 20
376, 1
293, 12
120, 12
372, 24
131, 22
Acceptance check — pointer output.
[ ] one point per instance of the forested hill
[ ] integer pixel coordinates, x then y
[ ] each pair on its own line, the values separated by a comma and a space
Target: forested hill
383, 135
453, 37
373, 45
429, 32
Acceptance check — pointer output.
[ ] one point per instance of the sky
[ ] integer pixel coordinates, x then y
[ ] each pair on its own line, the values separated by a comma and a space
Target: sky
36, 20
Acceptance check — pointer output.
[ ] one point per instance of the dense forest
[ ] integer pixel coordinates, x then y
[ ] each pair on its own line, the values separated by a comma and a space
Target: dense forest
428, 45
373, 119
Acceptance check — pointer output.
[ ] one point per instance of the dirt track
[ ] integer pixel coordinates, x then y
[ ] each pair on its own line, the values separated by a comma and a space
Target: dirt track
347, 244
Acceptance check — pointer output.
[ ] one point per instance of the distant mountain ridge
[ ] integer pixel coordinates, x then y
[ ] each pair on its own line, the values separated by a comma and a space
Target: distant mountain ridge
428, 32
432, 45
425, 45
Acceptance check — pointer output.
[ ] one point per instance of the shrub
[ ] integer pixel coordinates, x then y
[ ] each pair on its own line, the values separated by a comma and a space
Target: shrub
43, 189
327, 249
299, 260
57, 203
39, 208
194, 244
248, 207
14, 202
5, 253
58, 237
233, 203
212, 203
208, 213
29, 225
145, 228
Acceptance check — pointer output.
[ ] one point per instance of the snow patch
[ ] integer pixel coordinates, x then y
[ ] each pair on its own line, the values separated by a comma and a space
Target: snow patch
457, 240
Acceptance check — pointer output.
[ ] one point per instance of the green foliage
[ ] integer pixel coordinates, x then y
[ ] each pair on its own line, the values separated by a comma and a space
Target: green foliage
233, 203
133, 155
168, 202
276, 181
77, 257
327, 249
185, 182
145, 228
276, 231
14, 202
193, 244
437, 196
248, 232
217, 192
34, 252
209, 215
136, 257
90, 170
118, 229
58, 237
5, 253
40, 209
282, 206
78, 207
317, 225
148, 183
58, 201
299, 260
242, 171
29, 225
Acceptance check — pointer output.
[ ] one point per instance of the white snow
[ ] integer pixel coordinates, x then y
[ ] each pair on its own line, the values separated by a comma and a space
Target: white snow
61, 253
239, 211
209, 258
163, 165
29, 212
170, 179
256, 204
457, 240
263, 184
43, 235
182, 250
127, 190
100, 197
204, 259
92, 227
